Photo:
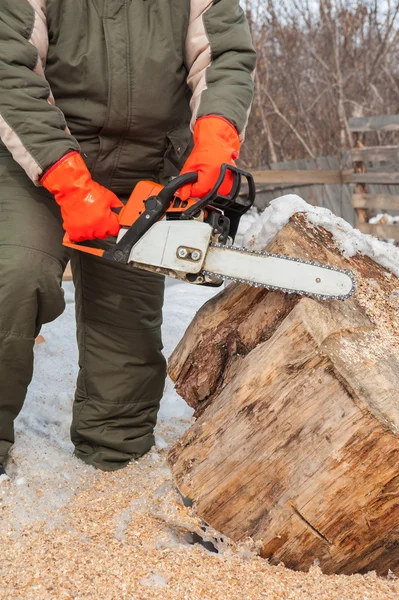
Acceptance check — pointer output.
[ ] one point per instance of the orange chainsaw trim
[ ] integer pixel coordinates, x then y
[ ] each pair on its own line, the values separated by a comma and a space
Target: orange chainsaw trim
135, 206
88, 249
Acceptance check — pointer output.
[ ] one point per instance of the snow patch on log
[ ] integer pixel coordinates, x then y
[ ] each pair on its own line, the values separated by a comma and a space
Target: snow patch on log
350, 241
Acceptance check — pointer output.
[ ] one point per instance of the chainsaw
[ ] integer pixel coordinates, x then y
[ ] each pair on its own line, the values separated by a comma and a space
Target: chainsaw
192, 240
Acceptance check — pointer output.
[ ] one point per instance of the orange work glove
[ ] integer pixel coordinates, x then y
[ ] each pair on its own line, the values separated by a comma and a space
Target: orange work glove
85, 204
216, 142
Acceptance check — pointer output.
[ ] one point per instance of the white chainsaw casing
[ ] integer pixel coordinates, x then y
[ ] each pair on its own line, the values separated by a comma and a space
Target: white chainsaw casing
160, 249
159, 246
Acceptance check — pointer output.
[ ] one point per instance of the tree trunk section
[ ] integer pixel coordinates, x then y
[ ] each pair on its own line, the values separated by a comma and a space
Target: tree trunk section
296, 441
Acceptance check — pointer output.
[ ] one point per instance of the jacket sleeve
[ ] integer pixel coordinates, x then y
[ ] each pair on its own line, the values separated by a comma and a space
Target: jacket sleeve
31, 126
220, 59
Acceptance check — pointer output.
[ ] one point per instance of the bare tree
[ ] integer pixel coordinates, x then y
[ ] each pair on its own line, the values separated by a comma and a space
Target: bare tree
318, 65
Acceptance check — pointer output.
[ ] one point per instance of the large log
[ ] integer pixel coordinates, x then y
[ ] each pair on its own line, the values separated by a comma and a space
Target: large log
297, 402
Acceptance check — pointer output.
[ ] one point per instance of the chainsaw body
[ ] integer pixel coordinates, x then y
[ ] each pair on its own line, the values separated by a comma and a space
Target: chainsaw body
192, 241
164, 234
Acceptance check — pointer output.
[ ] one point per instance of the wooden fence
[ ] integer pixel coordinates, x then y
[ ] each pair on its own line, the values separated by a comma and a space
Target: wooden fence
321, 182
375, 165
363, 182
300, 177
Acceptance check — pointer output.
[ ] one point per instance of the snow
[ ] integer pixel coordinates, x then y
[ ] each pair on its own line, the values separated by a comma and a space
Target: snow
155, 579
384, 219
350, 241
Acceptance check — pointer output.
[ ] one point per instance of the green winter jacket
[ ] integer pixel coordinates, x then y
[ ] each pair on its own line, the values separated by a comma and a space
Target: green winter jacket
119, 81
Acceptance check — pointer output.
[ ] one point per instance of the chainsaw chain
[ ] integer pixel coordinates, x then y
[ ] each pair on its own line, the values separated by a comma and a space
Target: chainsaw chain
276, 288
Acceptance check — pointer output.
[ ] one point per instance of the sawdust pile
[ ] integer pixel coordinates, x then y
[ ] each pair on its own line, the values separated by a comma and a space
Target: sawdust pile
126, 535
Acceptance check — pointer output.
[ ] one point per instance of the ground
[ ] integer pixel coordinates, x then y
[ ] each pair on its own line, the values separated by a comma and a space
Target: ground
69, 532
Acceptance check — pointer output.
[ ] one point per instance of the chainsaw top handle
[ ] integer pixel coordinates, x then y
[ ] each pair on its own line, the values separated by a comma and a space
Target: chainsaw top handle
232, 205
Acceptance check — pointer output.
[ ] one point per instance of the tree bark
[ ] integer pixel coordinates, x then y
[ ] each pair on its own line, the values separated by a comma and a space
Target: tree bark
296, 442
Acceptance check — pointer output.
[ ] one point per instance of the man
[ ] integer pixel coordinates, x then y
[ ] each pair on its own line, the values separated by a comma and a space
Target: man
96, 95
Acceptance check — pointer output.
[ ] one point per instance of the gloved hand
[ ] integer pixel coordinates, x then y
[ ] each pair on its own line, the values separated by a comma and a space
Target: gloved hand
85, 204
216, 142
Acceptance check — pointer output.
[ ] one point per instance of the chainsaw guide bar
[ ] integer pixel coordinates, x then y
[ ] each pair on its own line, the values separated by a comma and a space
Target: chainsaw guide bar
347, 275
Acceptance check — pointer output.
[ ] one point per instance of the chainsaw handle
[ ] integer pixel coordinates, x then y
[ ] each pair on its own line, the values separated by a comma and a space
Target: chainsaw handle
169, 191
80, 246
213, 198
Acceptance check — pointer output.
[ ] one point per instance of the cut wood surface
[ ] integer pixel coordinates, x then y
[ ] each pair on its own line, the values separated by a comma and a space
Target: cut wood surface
375, 201
297, 402
379, 123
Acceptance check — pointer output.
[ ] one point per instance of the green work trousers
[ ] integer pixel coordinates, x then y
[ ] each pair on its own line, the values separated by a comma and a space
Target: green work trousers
118, 312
